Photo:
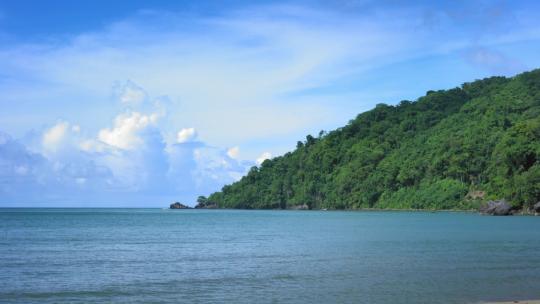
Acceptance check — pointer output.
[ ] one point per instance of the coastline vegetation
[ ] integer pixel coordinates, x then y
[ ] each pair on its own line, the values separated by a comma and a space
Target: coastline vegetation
450, 149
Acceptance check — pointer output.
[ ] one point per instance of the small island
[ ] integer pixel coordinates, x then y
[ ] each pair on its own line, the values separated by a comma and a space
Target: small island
177, 205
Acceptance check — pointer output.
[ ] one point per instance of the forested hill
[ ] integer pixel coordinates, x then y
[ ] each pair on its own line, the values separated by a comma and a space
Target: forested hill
449, 149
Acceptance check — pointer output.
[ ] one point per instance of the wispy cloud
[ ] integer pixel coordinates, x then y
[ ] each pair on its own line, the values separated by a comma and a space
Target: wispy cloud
494, 61
224, 69
148, 104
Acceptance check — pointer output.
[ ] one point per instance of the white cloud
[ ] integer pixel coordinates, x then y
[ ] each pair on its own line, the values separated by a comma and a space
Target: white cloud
214, 166
246, 63
54, 136
129, 160
271, 59
126, 130
245, 76
264, 156
92, 145
35, 178
186, 134
233, 152
494, 61
131, 94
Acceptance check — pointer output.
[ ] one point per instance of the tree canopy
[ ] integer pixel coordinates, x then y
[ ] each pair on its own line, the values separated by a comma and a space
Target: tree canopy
433, 153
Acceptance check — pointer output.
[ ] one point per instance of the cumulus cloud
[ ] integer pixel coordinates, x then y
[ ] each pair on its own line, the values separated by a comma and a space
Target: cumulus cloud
265, 54
126, 131
32, 177
92, 171
185, 135
54, 136
142, 168
19, 168
245, 76
215, 165
233, 152
259, 59
130, 94
271, 59
58, 141
92, 145
264, 156
129, 161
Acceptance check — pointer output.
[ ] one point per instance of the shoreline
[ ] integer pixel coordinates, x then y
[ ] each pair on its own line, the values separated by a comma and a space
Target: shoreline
514, 302
519, 213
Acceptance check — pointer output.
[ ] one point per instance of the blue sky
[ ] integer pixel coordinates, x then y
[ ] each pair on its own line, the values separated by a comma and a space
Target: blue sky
138, 103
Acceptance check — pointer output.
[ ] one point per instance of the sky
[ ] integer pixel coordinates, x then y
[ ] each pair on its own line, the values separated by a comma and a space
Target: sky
142, 103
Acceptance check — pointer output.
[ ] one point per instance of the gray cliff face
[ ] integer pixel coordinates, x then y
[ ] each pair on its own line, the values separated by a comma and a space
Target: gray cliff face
500, 207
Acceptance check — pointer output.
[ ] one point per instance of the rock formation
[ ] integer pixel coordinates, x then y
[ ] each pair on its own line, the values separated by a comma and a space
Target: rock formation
500, 207
536, 207
178, 205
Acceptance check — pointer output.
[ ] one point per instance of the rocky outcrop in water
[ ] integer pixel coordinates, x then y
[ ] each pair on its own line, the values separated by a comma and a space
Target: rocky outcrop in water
536, 207
178, 205
500, 207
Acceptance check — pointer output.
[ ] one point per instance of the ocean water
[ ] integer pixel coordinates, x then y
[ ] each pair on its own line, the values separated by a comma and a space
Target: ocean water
229, 256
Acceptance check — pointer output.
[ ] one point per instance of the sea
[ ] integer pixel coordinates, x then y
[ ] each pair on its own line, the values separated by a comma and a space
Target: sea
252, 256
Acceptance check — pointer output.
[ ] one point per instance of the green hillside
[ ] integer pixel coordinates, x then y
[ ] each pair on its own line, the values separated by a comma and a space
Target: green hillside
450, 149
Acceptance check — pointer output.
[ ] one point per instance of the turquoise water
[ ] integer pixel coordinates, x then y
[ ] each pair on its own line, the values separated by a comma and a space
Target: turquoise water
216, 256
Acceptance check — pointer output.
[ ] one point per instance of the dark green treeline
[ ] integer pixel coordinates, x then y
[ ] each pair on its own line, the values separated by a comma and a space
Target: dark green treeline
449, 149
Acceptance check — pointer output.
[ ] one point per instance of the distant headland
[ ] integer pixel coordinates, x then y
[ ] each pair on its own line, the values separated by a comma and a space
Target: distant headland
474, 147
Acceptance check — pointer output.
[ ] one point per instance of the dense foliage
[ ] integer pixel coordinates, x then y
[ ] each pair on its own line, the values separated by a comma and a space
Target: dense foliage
448, 150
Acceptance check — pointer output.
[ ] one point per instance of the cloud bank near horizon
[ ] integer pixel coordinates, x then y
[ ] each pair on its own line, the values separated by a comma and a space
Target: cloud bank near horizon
128, 162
